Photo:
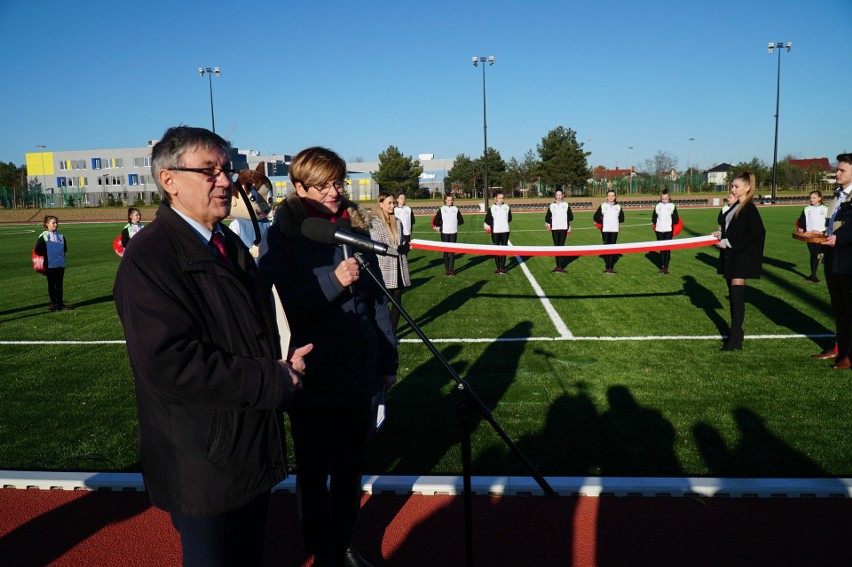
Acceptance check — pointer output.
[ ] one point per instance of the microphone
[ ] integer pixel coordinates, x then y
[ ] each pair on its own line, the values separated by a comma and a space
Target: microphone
324, 232
345, 224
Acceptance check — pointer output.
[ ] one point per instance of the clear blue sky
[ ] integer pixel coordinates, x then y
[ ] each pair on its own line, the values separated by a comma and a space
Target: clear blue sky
360, 76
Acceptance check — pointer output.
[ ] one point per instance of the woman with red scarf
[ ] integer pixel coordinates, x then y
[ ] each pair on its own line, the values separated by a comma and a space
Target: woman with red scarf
354, 353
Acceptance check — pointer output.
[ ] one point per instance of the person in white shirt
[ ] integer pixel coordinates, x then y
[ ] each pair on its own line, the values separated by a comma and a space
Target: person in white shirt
558, 221
404, 215
497, 221
664, 218
609, 217
813, 219
447, 221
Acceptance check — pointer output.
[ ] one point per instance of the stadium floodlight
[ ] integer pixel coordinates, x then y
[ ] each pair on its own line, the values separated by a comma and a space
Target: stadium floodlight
210, 72
772, 46
476, 61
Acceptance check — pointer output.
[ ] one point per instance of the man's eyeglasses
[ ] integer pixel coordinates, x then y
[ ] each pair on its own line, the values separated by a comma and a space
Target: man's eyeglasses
212, 173
325, 188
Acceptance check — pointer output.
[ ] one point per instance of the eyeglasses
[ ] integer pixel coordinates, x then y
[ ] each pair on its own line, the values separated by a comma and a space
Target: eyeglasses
212, 172
325, 188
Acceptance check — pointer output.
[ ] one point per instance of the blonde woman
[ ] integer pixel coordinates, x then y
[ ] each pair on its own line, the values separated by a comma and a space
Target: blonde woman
386, 228
741, 241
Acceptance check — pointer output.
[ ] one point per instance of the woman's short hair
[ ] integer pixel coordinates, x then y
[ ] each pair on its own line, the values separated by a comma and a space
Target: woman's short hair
168, 152
313, 167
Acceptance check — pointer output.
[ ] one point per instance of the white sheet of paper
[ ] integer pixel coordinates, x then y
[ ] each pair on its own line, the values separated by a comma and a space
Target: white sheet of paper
283, 325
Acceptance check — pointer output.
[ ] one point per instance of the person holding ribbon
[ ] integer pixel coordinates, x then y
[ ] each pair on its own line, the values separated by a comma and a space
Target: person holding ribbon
447, 221
608, 219
497, 221
837, 263
558, 221
664, 220
405, 215
388, 229
740, 244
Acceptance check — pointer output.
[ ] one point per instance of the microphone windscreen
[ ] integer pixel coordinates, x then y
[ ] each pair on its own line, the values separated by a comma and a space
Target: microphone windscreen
319, 230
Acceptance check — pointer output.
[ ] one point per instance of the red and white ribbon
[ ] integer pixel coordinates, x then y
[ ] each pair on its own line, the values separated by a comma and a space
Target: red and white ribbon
593, 250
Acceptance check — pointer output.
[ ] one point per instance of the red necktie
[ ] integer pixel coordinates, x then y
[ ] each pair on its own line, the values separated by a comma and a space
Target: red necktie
218, 240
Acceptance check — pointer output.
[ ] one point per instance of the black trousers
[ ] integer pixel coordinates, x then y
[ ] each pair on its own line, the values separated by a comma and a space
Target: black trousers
665, 255
840, 292
231, 538
55, 276
329, 442
559, 237
500, 239
610, 238
449, 257
813, 251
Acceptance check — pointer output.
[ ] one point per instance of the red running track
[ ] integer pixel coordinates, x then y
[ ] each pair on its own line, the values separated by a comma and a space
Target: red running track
73, 528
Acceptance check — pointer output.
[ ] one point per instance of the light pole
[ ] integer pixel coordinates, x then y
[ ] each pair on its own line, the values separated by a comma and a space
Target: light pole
476, 62
43, 174
688, 157
772, 47
210, 72
630, 165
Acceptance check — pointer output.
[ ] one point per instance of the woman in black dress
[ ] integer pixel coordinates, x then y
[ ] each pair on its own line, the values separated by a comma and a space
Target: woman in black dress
740, 246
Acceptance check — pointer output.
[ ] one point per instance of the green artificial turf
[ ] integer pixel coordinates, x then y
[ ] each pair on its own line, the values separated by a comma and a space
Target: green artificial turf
615, 401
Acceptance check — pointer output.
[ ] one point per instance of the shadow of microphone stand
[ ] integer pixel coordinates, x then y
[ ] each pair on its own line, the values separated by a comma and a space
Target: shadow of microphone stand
465, 408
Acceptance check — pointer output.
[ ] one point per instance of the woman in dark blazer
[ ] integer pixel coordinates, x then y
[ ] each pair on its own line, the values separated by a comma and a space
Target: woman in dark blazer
741, 241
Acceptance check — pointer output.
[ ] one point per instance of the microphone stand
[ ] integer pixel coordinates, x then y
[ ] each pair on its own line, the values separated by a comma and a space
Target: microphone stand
464, 411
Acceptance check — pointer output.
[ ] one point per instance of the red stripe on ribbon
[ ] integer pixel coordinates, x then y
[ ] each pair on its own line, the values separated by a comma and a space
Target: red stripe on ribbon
594, 250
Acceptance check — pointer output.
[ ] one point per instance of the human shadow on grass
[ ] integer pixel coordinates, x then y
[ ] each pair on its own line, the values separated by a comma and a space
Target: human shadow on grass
433, 263
423, 419
625, 440
421, 407
757, 453
704, 299
446, 306
782, 314
810, 294
638, 441
49, 536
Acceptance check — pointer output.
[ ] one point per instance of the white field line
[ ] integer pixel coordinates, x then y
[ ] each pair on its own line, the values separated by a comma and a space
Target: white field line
560, 325
569, 337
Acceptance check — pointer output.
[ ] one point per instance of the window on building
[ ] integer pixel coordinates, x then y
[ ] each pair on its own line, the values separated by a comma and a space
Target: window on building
96, 163
133, 179
61, 182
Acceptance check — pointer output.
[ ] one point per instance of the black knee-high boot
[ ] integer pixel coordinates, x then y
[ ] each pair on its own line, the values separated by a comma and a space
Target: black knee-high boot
735, 336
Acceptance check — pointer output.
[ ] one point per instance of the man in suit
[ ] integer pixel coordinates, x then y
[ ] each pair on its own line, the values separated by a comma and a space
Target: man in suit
838, 264
206, 359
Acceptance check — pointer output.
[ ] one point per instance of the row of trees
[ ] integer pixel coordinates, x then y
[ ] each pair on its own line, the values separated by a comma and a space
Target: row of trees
558, 162
787, 174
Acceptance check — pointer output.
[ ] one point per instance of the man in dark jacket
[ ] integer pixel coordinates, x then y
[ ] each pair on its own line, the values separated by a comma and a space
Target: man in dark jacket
206, 358
838, 264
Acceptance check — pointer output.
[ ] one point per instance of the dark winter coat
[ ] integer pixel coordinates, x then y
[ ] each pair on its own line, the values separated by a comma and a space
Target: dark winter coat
746, 235
841, 256
354, 342
204, 349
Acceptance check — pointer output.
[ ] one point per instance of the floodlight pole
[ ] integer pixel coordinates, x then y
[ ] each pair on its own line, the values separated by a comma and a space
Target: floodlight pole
43, 174
772, 47
688, 157
210, 72
631, 168
476, 62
